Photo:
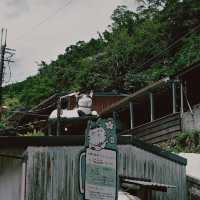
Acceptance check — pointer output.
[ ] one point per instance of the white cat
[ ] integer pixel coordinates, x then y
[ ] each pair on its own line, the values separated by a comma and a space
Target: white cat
84, 108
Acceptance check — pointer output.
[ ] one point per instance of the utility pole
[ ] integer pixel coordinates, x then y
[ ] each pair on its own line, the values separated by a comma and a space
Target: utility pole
5, 56
3, 49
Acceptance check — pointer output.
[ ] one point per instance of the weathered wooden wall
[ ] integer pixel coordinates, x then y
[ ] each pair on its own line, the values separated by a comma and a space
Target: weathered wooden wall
139, 163
99, 103
53, 172
158, 130
10, 176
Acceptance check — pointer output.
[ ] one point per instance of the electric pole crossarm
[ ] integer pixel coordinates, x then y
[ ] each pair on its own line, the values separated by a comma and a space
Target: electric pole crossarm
10, 49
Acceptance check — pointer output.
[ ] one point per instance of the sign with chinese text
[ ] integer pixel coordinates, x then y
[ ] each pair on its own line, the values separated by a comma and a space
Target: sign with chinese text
100, 180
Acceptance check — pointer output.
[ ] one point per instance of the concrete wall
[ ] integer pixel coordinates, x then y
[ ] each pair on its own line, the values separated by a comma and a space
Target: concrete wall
10, 176
191, 122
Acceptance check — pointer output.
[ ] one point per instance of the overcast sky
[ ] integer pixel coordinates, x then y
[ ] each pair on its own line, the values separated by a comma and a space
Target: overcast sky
42, 29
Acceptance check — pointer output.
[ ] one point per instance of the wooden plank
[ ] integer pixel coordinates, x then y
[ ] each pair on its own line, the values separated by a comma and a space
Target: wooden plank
162, 138
157, 128
162, 132
151, 98
157, 122
131, 115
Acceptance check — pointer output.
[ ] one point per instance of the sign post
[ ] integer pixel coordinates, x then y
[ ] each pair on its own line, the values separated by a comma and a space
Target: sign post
98, 169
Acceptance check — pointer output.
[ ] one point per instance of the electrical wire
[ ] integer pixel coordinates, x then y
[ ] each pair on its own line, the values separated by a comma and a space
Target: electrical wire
171, 45
45, 20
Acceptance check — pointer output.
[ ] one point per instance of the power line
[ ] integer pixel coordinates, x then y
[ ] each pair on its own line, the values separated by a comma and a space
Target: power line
171, 45
45, 20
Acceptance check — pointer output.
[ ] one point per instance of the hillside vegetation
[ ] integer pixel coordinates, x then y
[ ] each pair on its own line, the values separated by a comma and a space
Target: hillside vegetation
157, 40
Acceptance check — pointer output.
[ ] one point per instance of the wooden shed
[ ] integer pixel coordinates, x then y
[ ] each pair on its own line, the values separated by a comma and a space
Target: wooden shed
38, 168
163, 109
151, 114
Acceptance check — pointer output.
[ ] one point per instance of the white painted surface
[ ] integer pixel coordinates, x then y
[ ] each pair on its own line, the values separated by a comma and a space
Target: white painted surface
193, 166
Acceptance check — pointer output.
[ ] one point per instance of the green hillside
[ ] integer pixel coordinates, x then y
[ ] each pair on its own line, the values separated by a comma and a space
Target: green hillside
139, 47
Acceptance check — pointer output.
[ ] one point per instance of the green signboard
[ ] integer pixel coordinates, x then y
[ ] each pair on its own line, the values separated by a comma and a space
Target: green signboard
98, 162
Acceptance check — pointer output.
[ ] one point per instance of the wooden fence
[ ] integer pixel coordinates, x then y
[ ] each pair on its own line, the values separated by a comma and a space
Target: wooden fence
159, 130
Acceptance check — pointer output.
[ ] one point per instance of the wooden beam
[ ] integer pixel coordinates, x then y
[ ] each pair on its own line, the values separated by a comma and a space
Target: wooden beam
131, 115
182, 102
23, 181
58, 117
114, 114
174, 96
151, 97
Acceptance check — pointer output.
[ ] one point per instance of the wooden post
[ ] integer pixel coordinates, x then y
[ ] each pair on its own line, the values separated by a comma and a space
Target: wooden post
151, 97
182, 102
131, 115
114, 115
58, 116
23, 181
174, 96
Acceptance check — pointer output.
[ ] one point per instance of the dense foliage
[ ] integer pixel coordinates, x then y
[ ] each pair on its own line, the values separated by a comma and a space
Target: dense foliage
159, 39
188, 142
